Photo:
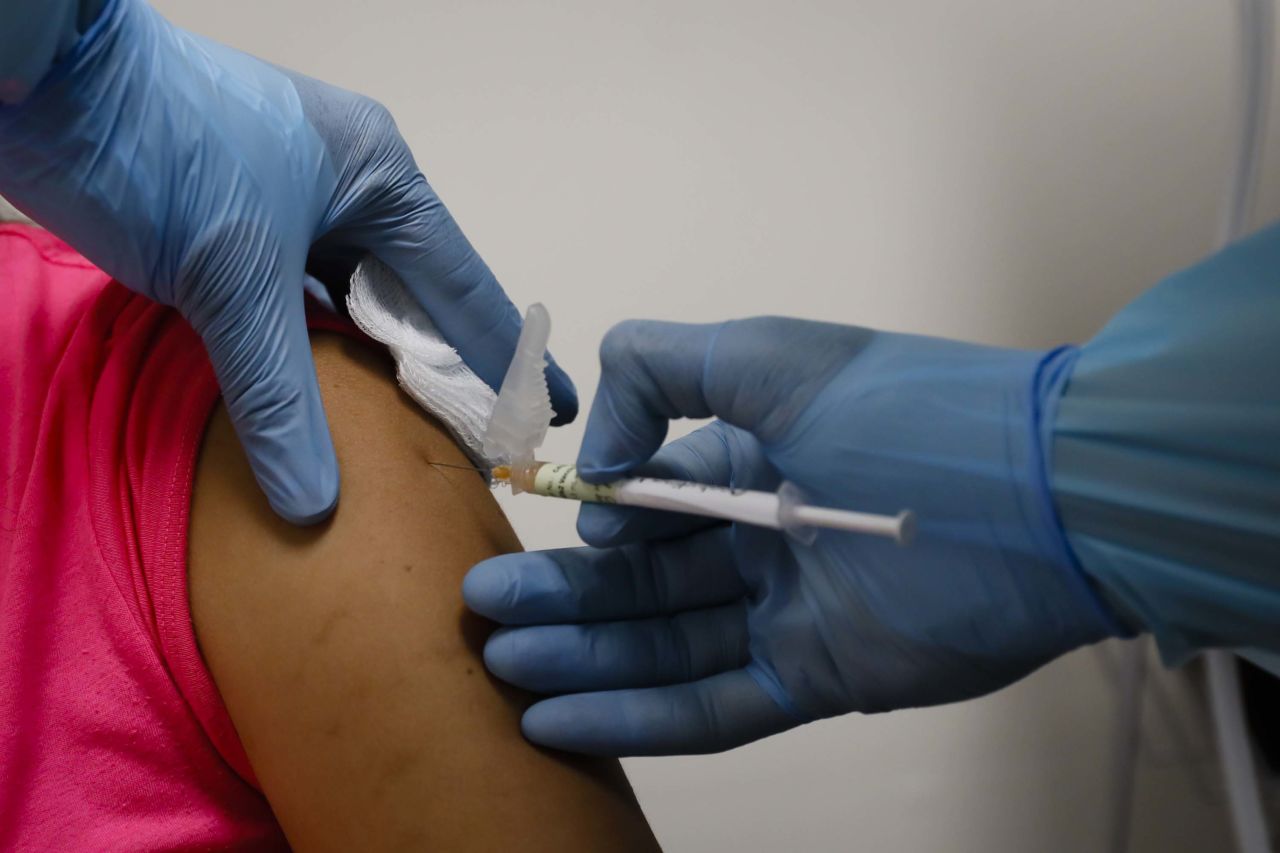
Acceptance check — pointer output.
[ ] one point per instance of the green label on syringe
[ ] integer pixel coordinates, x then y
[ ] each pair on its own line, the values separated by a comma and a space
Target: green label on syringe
558, 480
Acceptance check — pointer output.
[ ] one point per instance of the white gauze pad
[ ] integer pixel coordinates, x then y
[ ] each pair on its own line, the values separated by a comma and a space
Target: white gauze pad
428, 369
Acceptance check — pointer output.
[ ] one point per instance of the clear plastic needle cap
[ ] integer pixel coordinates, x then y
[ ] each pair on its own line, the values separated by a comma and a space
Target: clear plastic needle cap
523, 410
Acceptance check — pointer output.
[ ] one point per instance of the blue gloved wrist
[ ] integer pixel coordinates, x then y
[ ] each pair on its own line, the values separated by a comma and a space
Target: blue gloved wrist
1051, 379
61, 120
82, 155
36, 36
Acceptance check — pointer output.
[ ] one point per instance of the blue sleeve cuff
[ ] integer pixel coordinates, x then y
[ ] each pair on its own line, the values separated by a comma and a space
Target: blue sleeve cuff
1049, 383
1166, 455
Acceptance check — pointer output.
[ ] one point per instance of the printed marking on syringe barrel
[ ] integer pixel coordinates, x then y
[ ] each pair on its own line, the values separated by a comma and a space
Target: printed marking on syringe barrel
758, 508
561, 480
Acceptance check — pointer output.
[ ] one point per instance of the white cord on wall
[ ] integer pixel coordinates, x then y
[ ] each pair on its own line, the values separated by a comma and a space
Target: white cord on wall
1255, 21
1257, 34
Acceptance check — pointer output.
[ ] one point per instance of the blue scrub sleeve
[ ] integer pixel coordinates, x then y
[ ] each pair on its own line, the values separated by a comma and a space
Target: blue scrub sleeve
1166, 455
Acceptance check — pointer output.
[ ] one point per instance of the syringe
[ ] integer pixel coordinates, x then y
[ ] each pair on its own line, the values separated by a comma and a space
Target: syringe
519, 423
784, 510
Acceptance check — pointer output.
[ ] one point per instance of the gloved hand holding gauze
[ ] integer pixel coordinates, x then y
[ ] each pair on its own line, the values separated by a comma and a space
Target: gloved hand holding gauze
203, 178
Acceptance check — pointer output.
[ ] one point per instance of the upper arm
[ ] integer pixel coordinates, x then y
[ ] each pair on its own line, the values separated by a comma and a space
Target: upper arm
346, 658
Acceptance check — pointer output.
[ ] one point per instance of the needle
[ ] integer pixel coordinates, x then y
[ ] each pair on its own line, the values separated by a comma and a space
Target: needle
459, 467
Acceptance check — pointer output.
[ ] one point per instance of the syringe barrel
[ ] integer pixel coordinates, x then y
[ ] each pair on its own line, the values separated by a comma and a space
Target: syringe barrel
761, 509
748, 507
558, 480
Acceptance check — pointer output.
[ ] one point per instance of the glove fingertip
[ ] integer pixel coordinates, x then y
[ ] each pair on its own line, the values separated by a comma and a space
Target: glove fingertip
596, 467
564, 395
307, 510
500, 655
546, 724
612, 447
302, 487
600, 525
484, 588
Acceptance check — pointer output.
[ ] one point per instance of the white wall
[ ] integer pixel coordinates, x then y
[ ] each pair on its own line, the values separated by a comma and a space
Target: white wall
1009, 172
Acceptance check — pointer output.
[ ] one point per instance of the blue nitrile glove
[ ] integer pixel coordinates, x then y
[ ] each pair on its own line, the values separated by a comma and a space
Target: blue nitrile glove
200, 177
701, 636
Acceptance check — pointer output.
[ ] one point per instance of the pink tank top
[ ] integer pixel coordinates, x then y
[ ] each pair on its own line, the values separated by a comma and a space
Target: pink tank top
112, 733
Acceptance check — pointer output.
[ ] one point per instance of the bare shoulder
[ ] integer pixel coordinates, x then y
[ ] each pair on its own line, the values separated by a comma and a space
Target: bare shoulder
348, 662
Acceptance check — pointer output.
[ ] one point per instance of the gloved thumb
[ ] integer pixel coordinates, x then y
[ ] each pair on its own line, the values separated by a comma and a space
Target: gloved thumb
755, 374
261, 354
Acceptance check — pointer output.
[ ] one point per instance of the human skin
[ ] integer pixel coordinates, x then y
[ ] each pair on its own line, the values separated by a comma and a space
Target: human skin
346, 657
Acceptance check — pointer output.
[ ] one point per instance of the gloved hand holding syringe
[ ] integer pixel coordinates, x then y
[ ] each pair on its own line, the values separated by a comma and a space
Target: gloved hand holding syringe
672, 633
519, 423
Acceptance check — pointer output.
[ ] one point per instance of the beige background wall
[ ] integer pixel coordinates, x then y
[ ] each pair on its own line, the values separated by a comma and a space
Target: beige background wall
1009, 172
